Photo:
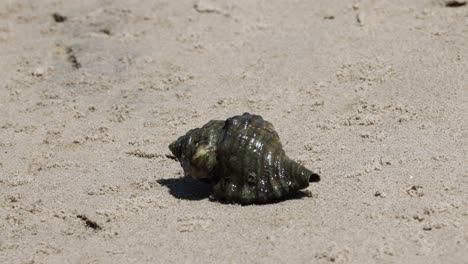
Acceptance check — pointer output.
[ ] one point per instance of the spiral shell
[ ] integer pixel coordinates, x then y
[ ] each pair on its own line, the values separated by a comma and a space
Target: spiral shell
242, 157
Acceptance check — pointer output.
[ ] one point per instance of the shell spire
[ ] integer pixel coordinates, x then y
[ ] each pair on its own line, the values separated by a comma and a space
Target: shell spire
301, 174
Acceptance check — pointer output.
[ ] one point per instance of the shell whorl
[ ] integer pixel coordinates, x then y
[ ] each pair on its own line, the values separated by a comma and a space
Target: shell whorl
196, 150
243, 158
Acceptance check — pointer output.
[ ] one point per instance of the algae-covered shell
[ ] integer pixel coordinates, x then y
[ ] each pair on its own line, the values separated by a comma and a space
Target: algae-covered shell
242, 157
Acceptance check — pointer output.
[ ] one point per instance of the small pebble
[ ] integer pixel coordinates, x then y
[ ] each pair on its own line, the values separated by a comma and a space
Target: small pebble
38, 72
455, 3
379, 194
59, 18
427, 227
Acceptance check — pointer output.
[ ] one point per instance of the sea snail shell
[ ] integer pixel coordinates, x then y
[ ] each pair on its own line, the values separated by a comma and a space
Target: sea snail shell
242, 157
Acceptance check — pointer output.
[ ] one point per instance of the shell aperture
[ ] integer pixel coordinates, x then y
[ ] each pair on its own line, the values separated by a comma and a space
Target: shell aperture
243, 158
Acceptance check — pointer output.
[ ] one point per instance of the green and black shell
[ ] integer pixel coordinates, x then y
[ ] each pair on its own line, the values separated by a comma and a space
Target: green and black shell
242, 157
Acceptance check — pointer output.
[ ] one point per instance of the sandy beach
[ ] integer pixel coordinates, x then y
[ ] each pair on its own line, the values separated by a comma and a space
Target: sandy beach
372, 95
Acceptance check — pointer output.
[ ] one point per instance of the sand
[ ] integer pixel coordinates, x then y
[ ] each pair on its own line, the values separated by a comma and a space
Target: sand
373, 95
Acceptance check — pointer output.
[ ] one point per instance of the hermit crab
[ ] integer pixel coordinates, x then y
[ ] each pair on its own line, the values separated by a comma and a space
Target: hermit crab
243, 159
